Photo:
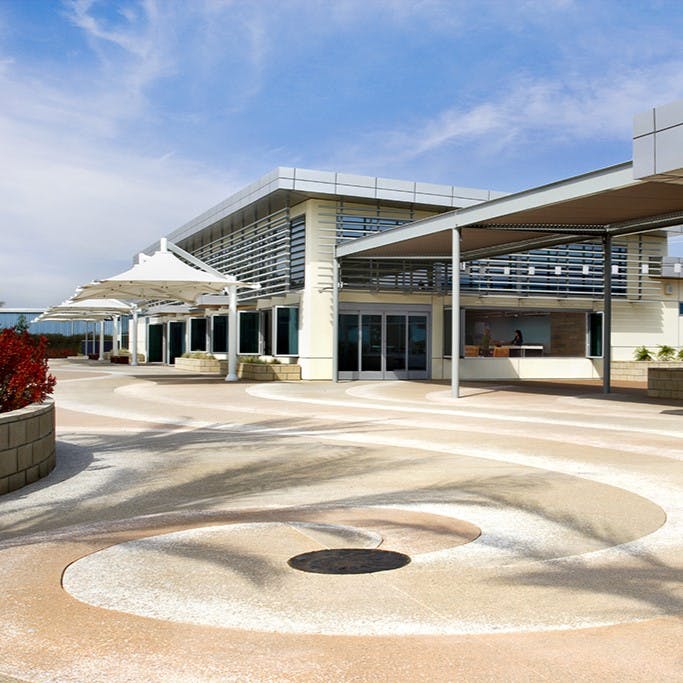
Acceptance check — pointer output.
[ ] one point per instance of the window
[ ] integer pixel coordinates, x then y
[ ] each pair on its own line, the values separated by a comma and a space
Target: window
297, 251
220, 334
680, 308
447, 331
249, 332
594, 334
286, 331
198, 334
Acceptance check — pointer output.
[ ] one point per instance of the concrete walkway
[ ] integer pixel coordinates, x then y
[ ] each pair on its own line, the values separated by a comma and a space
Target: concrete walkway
544, 527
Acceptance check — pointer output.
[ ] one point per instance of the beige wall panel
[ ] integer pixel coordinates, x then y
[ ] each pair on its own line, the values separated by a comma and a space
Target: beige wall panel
525, 368
315, 312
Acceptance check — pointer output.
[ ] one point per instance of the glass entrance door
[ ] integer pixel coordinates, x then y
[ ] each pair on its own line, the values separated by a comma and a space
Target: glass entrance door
155, 340
176, 340
371, 346
383, 346
417, 345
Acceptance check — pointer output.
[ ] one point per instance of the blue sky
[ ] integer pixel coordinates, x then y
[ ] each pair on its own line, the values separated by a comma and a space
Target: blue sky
122, 120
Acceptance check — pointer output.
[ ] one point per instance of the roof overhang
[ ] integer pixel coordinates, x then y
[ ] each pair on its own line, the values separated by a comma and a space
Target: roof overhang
605, 202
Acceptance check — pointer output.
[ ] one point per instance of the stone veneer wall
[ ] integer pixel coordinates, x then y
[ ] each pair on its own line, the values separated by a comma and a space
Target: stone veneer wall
27, 445
567, 334
269, 372
665, 382
637, 370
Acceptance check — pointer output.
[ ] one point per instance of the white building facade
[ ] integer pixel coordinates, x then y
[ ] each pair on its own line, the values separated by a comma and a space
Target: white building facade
356, 273
391, 317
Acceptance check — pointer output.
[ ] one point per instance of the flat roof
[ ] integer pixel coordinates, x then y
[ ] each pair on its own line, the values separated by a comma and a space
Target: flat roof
295, 185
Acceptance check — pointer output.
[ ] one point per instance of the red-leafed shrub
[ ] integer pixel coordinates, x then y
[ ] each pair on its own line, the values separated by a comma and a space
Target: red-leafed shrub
24, 376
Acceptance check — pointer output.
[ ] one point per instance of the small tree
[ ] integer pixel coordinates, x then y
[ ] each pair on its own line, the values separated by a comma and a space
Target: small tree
22, 324
24, 376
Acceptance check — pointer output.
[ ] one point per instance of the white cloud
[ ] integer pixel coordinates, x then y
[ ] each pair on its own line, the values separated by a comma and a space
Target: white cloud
77, 206
580, 108
77, 199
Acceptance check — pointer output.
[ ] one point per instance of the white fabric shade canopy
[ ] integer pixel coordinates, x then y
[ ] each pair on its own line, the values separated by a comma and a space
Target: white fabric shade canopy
88, 307
163, 276
158, 277
88, 310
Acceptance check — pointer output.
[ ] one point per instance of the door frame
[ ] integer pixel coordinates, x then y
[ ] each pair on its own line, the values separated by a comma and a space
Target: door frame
419, 310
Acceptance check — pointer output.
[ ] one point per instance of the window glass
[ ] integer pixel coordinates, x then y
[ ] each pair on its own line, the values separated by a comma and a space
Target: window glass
198, 334
287, 332
297, 249
249, 332
447, 331
220, 333
348, 342
267, 332
595, 335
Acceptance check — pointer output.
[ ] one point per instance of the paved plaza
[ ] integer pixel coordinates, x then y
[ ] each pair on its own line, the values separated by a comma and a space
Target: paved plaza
541, 526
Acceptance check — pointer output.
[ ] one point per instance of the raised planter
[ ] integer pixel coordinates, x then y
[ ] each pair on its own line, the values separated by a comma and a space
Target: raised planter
204, 365
269, 372
665, 382
125, 360
27, 445
637, 370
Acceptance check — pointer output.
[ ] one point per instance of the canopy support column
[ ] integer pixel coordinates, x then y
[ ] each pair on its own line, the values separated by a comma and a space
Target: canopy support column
100, 356
133, 334
115, 336
335, 320
455, 314
232, 335
607, 315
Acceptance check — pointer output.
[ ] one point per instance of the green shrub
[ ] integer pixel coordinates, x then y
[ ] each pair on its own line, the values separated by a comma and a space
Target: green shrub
641, 353
665, 352
203, 355
679, 355
258, 360
62, 345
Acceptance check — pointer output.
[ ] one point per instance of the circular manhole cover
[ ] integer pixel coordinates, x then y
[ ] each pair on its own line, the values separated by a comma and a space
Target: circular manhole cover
348, 561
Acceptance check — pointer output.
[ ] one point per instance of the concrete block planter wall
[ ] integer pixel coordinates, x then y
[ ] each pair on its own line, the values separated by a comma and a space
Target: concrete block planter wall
665, 382
208, 365
27, 445
269, 372
637, 370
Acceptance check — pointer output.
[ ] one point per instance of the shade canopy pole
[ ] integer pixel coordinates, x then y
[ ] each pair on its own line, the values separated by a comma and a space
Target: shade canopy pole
455, 314
232, 335
100, 356
133, 332
607, 316
335, 320
115, 336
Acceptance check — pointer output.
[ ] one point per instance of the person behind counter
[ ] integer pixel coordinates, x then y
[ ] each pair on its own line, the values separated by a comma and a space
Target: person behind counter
518, 339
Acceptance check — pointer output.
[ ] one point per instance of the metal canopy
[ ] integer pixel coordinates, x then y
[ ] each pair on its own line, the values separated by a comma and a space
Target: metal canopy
605, 202
598, 205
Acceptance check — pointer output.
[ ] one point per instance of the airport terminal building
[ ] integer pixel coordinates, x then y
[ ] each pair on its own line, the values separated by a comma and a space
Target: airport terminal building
357, 273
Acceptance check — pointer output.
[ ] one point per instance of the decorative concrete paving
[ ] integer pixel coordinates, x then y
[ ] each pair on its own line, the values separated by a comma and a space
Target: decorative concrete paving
544, 526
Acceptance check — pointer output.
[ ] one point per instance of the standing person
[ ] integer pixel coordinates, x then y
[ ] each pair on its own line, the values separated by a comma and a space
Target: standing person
518, 339
486, 341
